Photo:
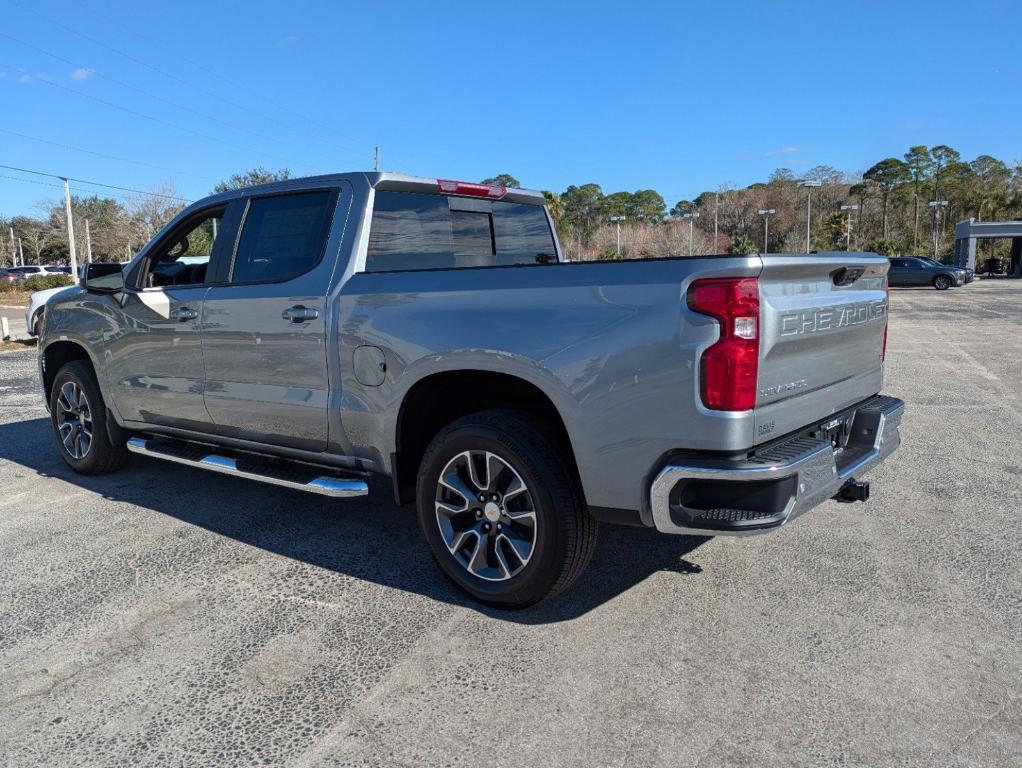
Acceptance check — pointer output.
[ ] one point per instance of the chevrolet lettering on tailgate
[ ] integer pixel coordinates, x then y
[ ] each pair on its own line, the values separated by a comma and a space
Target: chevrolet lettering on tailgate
819, 319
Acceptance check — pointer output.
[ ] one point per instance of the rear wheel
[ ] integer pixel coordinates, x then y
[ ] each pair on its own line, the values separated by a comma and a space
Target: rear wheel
942, 282
78, 414
501, 511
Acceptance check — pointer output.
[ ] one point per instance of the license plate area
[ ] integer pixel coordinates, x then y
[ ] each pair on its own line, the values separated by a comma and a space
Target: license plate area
836, 432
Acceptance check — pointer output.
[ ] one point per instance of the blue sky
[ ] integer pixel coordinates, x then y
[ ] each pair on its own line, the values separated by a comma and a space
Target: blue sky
680, 97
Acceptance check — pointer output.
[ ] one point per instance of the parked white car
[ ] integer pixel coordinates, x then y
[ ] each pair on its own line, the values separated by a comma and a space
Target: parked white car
36, 306
37, 299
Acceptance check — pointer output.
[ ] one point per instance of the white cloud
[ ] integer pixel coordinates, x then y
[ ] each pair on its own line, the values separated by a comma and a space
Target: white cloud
82, 73
25, 78
286, 42
789, 150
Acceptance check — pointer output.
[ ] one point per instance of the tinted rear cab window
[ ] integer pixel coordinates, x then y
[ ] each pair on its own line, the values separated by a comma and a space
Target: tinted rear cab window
282, 237
413, 231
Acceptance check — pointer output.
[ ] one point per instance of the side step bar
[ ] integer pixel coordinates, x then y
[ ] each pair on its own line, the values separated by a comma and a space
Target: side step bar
301, 477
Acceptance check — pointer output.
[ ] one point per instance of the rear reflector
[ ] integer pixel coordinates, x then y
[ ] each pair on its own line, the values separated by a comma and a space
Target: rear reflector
470, 189
729, 370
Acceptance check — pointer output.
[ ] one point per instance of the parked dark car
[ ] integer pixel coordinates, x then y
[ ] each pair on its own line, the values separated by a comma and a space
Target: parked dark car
995, 266
909, 271
970, 274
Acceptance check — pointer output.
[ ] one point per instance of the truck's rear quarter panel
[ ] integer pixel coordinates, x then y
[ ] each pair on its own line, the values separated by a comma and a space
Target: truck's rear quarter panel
613, 345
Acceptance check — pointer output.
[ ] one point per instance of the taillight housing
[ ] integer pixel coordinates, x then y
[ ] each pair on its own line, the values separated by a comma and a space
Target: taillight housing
729, 370
471, 189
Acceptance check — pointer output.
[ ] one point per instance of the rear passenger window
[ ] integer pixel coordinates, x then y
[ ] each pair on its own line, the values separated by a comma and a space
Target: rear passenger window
282, 237
412, 231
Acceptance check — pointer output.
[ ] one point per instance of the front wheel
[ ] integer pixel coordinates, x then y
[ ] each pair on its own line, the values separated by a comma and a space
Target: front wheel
501, 511
942, 282
78, 414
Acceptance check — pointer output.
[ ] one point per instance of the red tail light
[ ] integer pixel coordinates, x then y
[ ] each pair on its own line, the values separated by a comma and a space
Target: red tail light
729, 370
492, 191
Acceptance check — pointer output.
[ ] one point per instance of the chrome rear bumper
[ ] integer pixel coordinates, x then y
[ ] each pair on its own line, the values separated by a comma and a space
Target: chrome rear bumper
777, 485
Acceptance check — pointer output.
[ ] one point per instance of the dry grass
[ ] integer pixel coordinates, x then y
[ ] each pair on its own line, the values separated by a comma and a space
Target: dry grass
10, 346
14, 298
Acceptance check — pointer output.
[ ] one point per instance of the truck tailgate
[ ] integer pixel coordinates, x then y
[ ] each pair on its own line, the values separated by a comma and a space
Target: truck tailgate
822, 324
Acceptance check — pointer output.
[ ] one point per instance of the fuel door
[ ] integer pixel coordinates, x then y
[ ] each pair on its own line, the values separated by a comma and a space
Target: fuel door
370, 365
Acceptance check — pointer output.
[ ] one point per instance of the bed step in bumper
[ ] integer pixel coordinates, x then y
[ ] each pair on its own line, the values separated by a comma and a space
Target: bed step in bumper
776, 486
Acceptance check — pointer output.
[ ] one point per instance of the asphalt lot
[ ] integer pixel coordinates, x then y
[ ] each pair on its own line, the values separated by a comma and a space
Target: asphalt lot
166, 616
15, 315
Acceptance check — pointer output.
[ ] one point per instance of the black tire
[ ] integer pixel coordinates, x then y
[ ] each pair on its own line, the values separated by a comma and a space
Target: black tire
942, 282
101, 455
564, 536
34, 329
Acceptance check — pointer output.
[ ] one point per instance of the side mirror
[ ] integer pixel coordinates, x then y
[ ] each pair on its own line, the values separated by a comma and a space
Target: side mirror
104, 278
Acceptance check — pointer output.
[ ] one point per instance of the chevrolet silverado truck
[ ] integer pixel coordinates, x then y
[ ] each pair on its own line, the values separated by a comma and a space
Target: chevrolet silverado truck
312, 332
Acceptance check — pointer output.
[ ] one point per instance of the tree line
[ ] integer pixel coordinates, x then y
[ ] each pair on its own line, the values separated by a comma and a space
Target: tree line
886, 209
113, 229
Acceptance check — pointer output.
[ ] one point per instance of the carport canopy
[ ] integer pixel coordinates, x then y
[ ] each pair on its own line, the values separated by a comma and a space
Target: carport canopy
969, 231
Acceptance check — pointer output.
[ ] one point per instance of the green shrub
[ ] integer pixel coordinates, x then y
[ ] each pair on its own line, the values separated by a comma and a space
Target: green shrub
42, 282
883, 247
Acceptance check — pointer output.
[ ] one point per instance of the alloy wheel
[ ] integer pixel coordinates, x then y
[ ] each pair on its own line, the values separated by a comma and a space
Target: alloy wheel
486, 515
74, 420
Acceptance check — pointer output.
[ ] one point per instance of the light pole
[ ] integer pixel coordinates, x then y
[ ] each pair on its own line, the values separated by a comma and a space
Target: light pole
690, 217
809, 184
617, 220
766, 213
936, 205
848, 233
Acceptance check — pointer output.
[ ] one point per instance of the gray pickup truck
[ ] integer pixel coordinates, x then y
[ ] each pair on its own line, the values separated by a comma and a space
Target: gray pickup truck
311, 332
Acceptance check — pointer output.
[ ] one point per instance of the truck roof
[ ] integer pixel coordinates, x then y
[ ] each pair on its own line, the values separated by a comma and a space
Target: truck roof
398, 182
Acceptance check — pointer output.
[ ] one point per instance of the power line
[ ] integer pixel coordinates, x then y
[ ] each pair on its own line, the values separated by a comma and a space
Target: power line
143, 91
219, 75
158, 70
144, 116
93, 183
31, 181
103, 154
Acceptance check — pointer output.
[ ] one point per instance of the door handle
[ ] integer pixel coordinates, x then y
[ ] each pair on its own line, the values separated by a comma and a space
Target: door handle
184, 313
300, 314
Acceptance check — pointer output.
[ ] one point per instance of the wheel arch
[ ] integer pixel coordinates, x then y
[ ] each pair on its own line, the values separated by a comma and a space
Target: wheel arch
439, 398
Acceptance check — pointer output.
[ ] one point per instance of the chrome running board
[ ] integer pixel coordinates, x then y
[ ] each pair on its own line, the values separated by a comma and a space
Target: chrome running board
301, 477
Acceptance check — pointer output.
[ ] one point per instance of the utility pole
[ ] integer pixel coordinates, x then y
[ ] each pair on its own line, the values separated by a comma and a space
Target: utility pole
617, 220
766, 213
88, 242
377, 163
21, 253
690, 217
14, 253
848, 232
70, 231
809, 184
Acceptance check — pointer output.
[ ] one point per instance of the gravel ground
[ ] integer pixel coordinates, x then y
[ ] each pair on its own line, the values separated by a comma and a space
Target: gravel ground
167, 616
